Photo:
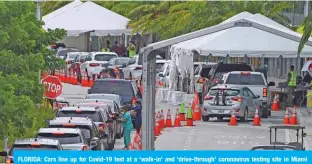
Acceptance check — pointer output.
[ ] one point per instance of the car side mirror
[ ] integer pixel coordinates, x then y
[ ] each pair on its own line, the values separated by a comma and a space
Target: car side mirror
257, 96
3, 154
271, 84
93, 142
89, 91
47, 122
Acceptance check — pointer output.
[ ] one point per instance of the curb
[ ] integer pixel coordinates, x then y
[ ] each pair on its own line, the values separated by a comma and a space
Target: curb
306, 143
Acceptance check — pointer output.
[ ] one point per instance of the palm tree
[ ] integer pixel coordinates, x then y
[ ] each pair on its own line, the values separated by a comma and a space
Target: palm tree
307, 30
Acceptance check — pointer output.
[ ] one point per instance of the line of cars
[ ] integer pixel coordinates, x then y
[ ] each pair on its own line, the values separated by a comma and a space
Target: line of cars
91, 124
227, 87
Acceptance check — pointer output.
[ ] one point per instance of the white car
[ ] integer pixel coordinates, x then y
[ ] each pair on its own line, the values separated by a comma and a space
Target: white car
133, 71
256, 82
96, 61
71, 56
61, 52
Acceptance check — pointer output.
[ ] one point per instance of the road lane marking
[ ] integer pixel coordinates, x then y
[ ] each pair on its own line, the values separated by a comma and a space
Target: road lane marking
239, 137
190, 138
226, 142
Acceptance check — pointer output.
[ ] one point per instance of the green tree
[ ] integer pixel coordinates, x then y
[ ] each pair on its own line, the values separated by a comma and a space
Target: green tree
306, 29
23, 52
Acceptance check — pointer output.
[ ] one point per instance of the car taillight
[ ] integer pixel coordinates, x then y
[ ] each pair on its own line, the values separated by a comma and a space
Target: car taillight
208, 98
102, 126
265, 92
8, 160
94, 64
239, 99
53, 46
138, 68
84, 147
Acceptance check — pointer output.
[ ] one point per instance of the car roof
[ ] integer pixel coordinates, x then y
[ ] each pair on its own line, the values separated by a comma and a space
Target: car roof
77, 108
104, 94
111, 79
122, 58
69, 120
43, 141
228, 86
63, 130
162, 61
68, 48
100, 101
239, 72
108, 53
79, 53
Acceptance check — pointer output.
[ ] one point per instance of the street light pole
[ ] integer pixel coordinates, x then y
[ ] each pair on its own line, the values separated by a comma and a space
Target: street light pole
39, 17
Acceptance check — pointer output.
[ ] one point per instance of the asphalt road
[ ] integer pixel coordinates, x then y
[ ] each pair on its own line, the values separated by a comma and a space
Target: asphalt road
212, 135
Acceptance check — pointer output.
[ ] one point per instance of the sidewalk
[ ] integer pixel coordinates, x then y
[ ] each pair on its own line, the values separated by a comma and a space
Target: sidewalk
305, 119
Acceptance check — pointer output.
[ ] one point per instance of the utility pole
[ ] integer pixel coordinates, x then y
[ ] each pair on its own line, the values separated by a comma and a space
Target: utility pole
306, 8
39, 17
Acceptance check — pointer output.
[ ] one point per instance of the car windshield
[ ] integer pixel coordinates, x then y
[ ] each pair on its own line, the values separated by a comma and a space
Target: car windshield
120, 61
94, 115
104, 57
228, 92
63, 138
113, 87
245, 79
72, 56
62, 53
85, 130
205, 72
29, 147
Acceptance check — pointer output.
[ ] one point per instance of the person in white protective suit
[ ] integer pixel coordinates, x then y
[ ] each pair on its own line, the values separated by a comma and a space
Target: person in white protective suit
173, 77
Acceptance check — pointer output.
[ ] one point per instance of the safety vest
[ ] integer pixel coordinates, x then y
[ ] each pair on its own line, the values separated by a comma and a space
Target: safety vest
132, 51
105, 50
293, 79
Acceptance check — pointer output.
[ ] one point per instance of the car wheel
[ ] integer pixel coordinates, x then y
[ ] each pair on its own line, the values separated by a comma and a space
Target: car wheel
265, 113
205, 118
245, 117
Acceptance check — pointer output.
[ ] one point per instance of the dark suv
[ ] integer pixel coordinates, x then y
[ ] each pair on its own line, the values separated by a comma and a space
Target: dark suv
126, 89
216, 73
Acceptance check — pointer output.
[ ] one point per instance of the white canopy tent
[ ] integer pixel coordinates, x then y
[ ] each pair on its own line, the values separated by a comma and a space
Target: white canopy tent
89, 17
242, 35
61, 10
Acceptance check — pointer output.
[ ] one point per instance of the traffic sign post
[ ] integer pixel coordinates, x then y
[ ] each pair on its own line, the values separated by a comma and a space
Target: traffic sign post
53, 87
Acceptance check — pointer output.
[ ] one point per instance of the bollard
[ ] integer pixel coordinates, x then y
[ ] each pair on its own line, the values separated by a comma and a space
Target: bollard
6, 140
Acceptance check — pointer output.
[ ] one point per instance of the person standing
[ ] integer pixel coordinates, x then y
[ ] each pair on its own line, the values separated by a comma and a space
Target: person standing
138, 118
107, 48
292, 84
127, 126
131, 50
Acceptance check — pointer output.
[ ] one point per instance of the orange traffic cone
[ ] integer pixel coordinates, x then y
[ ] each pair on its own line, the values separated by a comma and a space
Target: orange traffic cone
256, 120
162, 120
293, 120
75, 79
62, 76
286, 118
177, 121
233, 121
197, 110
67, 76
91, 81
168, 119
275, 105
137, 142
84, 80
71, 77
157, 127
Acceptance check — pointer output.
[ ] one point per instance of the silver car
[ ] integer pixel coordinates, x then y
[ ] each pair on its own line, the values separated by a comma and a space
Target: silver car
222, 100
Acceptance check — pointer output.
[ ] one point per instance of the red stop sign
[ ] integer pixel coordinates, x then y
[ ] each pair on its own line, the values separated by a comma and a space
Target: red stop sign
53, 88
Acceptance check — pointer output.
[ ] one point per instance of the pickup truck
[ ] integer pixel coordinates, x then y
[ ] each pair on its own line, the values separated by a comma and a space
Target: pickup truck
256, 82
